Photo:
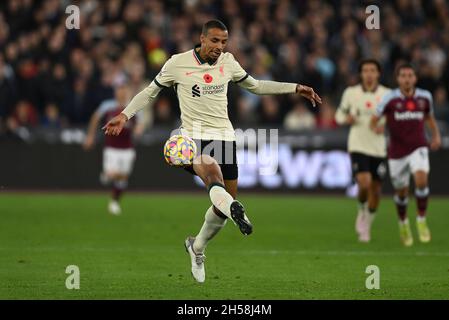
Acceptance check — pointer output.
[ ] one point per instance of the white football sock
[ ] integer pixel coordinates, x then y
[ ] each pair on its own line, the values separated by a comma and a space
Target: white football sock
221, 199
363, 206
420, 219
212, 225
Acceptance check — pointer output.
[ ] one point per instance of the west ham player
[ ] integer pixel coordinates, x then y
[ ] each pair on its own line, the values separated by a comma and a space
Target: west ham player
367, 149
118, 152
200, 77
406, 109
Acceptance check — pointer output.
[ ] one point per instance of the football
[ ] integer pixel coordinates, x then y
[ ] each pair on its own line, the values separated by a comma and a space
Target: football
179, 150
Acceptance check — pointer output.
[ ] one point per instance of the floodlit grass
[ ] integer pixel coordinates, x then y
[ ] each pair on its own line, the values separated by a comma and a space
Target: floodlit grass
302, 248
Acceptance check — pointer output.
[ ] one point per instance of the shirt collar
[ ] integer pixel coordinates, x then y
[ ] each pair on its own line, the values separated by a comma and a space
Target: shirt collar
403, 95
366, 90
198, 57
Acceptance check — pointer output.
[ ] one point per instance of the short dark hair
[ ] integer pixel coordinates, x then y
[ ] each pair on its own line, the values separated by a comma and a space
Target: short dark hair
370, 61
405, 65
213, 24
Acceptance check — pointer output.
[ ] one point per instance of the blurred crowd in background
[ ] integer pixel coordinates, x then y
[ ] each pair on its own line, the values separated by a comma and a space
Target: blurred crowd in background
54, 77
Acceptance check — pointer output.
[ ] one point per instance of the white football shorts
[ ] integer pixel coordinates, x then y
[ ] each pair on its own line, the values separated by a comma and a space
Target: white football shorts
400, 169
118, 160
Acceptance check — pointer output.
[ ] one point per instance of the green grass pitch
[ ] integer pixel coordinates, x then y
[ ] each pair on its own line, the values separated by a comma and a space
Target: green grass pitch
302, 248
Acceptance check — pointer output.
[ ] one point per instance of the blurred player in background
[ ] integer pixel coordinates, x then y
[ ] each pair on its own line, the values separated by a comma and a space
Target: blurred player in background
406, 109
367, 149
118, 152
200, 77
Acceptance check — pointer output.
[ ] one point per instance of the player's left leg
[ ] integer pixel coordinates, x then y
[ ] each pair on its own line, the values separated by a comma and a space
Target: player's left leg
223, 206
214, 220
222, 194
422, 197
401, 201
238, 214
400, 178
123, 161
377, 171
420, 167
214, 171
109, 176
119, 184
374, 196
231, 187
364, 180
373, 204
361, 172
210, 173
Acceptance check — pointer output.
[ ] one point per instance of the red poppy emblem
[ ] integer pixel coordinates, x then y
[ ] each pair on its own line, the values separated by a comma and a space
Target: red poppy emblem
410, 105
369, 104
207, 78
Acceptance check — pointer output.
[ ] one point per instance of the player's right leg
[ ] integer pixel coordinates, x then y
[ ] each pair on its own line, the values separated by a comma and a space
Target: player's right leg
370, 213
214, 220
110, 176
405, 233
237, 210
400, 178
209, 171
119, 185
360, 170
419, 165
363, 182
117, 166
377, 171
422, 195
223, 206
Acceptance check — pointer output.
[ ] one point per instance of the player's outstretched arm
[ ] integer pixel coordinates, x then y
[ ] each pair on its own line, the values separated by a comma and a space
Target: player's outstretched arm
115, 125
141, 100
435, 142
308, 93
265, 87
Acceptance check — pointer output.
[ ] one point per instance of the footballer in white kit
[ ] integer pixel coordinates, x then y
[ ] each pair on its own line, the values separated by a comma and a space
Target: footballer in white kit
366, 148
200, 78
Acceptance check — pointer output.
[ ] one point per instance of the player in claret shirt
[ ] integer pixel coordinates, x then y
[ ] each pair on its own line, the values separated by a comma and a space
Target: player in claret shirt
118, 153
406, 109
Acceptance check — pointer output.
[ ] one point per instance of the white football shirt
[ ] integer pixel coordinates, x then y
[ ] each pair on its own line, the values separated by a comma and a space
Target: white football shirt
361, 104
202, 92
